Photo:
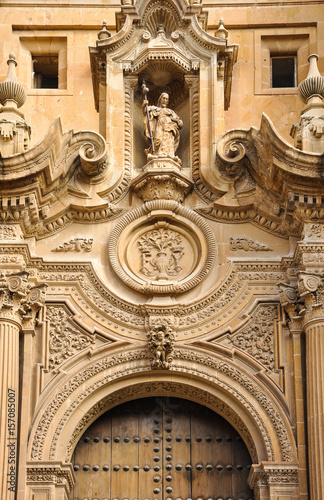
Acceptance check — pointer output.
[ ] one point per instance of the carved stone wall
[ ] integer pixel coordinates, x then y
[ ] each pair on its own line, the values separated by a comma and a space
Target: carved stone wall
194, 269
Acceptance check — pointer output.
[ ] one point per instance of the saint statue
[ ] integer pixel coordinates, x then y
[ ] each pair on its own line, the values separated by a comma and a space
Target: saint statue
162, 128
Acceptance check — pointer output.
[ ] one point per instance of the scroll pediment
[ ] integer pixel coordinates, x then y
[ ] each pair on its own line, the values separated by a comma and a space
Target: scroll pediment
260, 178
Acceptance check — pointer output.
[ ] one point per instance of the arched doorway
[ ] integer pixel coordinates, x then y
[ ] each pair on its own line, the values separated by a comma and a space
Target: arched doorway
161, 448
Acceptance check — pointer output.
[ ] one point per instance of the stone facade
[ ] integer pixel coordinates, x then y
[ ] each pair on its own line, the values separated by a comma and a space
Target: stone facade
156, 246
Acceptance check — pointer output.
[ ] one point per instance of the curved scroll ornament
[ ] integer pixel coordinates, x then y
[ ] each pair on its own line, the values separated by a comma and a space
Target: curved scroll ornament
230, 155
160, 340
94, 160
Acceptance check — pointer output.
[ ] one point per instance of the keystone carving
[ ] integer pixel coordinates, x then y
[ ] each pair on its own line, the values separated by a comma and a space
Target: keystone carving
19, 300
160, 341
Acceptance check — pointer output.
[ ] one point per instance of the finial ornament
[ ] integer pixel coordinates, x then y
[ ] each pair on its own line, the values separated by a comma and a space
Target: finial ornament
221, 31
11, 91
313, 85
104, 34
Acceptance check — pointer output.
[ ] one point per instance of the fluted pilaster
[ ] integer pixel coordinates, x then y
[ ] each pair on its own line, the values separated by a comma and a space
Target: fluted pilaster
9, 373
19, 303
311, 289
315, 405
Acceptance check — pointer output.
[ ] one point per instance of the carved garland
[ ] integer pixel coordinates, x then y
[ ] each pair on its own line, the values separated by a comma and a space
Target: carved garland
220, 366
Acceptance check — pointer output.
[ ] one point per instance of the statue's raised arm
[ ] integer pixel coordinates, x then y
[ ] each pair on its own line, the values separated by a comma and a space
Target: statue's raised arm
162, 127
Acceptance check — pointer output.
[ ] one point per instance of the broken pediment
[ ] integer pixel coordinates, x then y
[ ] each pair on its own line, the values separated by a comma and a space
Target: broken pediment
258, 177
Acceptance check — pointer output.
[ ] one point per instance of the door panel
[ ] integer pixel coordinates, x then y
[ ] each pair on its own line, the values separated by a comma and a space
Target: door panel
161, 449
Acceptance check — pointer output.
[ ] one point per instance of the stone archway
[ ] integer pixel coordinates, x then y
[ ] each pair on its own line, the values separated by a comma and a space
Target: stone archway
105, 382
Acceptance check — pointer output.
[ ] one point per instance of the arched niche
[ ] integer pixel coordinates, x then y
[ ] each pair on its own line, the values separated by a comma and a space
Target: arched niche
164, 43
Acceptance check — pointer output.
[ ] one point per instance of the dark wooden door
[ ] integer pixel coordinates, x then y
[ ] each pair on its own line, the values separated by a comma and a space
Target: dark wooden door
161, 449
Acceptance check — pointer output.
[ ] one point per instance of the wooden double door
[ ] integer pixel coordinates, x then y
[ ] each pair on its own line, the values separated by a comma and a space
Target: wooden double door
161, 449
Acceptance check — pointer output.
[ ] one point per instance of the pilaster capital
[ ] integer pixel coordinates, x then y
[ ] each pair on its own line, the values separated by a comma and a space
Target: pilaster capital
311, 292
273, 474
20, 300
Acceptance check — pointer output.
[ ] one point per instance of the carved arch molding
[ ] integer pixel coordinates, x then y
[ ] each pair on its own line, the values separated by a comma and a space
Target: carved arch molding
201, 378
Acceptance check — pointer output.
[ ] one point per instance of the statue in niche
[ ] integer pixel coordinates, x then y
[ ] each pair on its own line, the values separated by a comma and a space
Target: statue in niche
161, 127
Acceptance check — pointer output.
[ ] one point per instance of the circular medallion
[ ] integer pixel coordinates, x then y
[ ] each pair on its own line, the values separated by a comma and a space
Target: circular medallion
162, 248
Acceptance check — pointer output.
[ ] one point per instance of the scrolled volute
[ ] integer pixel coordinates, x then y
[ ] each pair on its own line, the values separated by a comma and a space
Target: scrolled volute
93, 156
230, 154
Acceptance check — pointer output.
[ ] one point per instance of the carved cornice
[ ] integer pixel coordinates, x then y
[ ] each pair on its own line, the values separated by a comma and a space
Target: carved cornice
273, 474
88, 290
54, 473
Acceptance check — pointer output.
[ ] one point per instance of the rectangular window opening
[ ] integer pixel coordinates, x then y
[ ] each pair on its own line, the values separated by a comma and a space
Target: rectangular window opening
283, 71
45, 71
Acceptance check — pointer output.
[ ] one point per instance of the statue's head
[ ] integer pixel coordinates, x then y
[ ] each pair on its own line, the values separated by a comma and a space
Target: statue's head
163, 100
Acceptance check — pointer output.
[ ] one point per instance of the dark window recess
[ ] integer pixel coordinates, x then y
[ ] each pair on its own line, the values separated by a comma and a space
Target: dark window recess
283, 72
45, 72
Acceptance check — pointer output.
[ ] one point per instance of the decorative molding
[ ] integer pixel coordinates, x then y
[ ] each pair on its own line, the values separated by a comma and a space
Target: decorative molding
75, 245
54, 473
247, 245
243, 214
273, 474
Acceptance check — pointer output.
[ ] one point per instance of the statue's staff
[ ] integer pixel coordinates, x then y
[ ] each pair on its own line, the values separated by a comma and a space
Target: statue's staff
145, 90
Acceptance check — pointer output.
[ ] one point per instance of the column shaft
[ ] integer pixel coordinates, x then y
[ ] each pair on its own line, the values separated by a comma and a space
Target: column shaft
9, 384
315, 407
